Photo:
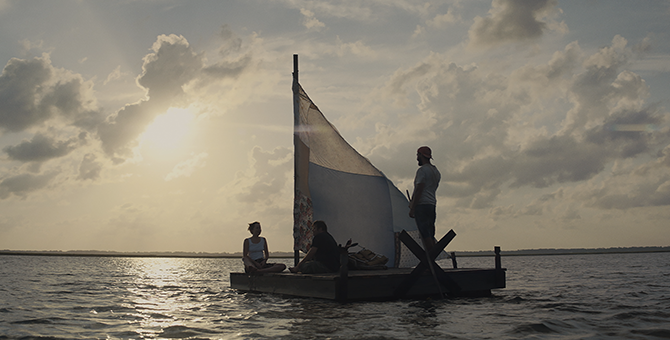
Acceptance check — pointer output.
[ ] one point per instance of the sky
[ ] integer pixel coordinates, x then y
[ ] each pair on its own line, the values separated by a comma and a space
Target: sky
165, 125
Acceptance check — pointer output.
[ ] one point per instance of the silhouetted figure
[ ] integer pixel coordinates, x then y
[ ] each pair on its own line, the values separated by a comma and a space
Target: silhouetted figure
423, 202
323, 255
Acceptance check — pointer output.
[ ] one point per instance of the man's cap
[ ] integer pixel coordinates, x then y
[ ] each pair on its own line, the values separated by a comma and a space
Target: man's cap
425, 151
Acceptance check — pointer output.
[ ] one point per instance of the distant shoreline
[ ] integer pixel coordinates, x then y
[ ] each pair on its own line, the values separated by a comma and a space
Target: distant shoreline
124, 254
488, 253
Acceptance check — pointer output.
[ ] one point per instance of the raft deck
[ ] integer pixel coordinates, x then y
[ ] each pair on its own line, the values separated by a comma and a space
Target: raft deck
370, 285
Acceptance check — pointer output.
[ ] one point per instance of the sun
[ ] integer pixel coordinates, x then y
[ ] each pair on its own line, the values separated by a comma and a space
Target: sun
168, 131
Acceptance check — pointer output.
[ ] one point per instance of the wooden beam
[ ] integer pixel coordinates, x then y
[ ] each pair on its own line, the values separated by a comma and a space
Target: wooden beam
442, 277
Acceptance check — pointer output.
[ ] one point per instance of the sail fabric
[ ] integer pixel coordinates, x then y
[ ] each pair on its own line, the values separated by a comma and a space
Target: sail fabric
336, 184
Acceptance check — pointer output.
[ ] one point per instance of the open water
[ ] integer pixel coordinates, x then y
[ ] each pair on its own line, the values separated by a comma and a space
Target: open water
618, 296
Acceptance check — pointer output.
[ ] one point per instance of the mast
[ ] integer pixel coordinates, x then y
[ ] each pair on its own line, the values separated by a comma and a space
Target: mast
295, 68
296, 146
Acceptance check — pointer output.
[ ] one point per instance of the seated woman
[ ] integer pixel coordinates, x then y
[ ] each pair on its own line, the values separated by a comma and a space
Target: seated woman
255, 253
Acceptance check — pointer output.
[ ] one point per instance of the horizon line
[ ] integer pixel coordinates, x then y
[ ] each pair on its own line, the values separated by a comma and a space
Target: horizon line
287, 254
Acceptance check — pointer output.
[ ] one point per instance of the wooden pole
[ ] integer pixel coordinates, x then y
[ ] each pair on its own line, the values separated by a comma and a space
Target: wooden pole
500, 272
295, 67
342, 286
296, 252
453, 260
498, 261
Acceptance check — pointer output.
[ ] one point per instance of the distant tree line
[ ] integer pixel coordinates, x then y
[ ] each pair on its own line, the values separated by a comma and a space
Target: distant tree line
522, 252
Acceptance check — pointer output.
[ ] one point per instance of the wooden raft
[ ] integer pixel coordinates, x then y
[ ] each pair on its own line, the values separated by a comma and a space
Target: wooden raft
375, 285
370, 285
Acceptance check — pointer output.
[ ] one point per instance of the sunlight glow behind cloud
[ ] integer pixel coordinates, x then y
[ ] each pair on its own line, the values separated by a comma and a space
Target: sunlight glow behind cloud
168, 130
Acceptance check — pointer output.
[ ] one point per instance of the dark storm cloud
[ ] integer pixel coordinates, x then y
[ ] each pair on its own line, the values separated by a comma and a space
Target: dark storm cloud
512, 20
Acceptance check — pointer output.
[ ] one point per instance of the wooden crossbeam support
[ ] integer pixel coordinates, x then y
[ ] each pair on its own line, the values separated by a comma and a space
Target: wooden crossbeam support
419, 252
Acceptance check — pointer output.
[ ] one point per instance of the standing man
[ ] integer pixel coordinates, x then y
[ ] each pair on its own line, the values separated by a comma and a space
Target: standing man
423, 202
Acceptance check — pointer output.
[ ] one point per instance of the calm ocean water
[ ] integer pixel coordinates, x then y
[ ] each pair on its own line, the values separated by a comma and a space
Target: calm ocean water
625, 296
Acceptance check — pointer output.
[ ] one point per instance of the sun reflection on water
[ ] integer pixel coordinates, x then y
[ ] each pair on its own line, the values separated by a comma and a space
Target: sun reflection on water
161, 293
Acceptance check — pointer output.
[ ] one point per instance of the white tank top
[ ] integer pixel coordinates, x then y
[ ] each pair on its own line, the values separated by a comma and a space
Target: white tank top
256, 249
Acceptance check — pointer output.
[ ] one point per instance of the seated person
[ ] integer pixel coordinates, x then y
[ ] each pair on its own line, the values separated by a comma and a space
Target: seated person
324, 254
255, 253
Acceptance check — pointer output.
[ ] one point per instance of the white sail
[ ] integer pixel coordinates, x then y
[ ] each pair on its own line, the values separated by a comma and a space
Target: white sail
336, 184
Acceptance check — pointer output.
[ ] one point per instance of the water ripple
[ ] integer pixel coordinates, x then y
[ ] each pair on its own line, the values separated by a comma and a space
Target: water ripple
577, 296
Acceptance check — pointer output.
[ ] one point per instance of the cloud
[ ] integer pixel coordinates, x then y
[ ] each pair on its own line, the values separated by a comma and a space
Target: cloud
28, 45
56, 106
536, 127
42, 148
352, 10
443, 20
116, 74
539, 206
602, 85
187, 167
22, 84
557, 159
172, 65
165, 71
22, 184
357, 48
228, 68
645, 46
231, 42
89, 168
626, 143
267, 177
547, 77
310, 21
34, 92
647, 185
59, 108
512, 21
